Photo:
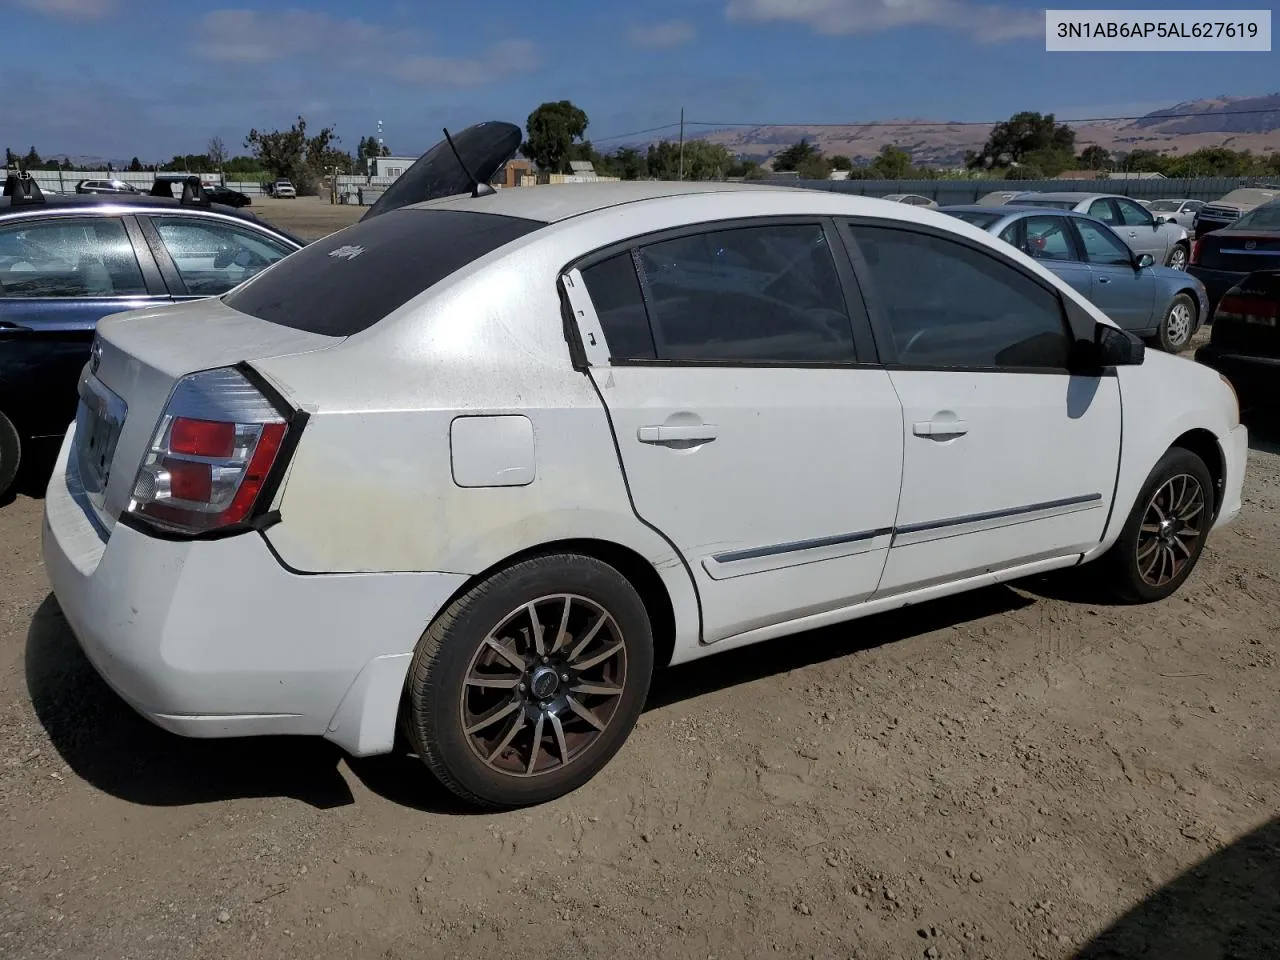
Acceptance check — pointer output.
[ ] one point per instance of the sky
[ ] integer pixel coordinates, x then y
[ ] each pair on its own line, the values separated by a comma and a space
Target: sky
124, 78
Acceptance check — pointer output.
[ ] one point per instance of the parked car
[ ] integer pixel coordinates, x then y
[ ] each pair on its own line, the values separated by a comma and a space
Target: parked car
911, 199
998, 198
1181, 212
464, 467
1166, 242
282, 189
67, 261
220, 193
105, 186
1160, 304
1244, 344
1223, 258
1224, 212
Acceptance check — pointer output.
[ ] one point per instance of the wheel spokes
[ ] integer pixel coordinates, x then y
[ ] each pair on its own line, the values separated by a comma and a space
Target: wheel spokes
493, 716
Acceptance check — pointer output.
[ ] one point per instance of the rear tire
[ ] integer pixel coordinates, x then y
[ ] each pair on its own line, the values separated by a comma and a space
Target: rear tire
10, 454
1178, 257
1178, 325
1165, 532
507, 713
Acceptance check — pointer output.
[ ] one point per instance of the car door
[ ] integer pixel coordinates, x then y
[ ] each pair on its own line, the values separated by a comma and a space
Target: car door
1119, 289
753, 432
1138, 228
58, 277
207, 256
1048, 238
1009, 460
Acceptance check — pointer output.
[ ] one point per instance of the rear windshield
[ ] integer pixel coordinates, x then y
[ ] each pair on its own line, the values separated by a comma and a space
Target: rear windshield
1263, 218
978, 218
350, 280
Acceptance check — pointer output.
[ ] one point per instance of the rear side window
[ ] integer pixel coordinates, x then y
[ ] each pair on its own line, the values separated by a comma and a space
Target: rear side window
347, 282
767, 294
615, 293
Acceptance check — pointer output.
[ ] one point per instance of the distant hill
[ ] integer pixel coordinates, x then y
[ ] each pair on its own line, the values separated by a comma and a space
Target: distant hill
940, 143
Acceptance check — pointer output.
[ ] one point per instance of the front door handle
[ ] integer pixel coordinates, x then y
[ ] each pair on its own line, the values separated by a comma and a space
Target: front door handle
7, 328
679, 433
940, 428
1103, 279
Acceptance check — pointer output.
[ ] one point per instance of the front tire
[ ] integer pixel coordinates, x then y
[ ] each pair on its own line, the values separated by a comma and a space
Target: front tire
10, 454
1178, 324
1165, 532
1178, 257
529, 683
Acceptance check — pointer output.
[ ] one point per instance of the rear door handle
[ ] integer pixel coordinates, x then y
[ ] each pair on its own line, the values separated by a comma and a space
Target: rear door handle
1103, 279
679, 433
941, 428
7, 328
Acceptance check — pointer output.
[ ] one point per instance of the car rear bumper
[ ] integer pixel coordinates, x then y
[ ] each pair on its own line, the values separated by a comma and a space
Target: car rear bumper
1256, 379
215, 638
1216, 282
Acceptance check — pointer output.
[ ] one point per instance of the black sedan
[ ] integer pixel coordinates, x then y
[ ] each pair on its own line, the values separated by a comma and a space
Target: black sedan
1245, 343
226, 196
1222, 259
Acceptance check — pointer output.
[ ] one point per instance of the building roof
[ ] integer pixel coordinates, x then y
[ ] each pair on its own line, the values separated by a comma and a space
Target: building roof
561, 201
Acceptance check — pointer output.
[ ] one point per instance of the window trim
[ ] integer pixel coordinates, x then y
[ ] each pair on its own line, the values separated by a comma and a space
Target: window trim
153, 286
879, 320
864, 343
177, 287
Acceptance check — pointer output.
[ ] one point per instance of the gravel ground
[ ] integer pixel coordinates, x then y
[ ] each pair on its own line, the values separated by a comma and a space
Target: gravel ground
1013, 773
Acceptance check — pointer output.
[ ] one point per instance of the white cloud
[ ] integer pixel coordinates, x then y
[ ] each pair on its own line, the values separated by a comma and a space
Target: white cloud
661, 36
69, 9
836, 17
250, 36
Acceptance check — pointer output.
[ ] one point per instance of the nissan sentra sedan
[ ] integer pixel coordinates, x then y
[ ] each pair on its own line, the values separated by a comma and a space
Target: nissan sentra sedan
478, 465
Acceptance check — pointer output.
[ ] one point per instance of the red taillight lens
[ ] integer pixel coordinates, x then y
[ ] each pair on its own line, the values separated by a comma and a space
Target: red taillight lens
207, 472
202, 438
1195, 251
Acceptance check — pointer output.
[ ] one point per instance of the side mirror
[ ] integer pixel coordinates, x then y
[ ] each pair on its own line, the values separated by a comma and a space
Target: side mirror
1160, 220
1110, 347
1145, 260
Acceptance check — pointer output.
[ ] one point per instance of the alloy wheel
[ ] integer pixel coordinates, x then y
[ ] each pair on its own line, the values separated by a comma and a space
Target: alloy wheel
1172, 525
1178, 258
1179, 324
543, 685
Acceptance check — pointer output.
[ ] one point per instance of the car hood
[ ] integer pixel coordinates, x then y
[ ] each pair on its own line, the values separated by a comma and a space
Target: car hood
483, 147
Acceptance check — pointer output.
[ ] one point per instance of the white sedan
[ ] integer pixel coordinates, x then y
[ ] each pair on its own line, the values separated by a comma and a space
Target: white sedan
474, 468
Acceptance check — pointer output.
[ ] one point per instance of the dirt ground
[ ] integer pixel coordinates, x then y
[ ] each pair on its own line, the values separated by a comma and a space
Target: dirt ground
1014, 773
307, 217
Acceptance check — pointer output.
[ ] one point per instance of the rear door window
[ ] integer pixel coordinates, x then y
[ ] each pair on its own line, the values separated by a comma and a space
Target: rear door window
767, 294
1102, 246
211, 257
91, 257
348, 281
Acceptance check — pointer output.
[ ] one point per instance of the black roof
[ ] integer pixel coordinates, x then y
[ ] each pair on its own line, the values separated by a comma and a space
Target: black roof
54, 201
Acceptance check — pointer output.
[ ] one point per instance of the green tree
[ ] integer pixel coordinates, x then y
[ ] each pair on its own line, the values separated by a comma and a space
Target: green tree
292, 155
742, 167
816, 167
629, 164
1023, 133
135, 165
841, 163
1094, 157
1049, 161
552, 129
1144, 161
893, 163
794, 155
702, 160
32, 160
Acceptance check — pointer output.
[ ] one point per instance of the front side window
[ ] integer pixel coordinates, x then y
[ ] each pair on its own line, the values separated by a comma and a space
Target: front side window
1133, 215
91, 257
212, 257
767, 294
949, 305
1102, 246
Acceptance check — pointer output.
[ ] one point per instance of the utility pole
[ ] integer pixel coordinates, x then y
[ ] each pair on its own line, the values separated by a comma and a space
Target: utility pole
681, 177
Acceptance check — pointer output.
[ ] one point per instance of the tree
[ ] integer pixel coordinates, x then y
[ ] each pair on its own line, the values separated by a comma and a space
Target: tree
742, 167
32, 160
1050, 161
794, 155
217, 152
292, 155
552, 129
816, 167
841, 163
893, 163
135, 165
1094, 157
629, 164
1145, 161
1023, 133
702, 160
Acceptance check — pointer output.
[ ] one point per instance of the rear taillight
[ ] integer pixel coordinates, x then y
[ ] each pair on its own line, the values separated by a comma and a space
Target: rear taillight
210, 456
1195, 251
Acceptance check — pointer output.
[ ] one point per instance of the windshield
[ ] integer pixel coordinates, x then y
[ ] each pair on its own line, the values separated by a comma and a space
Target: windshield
1035, 202
982, 221
1264, 218
351, 279
1164, 206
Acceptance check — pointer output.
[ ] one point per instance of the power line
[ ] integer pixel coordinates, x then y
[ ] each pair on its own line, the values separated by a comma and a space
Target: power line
863, 124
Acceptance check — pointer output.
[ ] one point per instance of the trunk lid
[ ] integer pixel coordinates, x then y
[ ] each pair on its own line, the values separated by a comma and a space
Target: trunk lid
1248, 317
1240, 251
136, 360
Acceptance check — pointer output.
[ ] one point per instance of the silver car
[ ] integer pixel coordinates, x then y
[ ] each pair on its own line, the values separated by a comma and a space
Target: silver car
1167, 243
1164, 306
1181, 212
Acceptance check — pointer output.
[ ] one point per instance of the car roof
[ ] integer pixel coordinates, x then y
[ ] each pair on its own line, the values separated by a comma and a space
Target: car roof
551, 204
55, 201
1066, 195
